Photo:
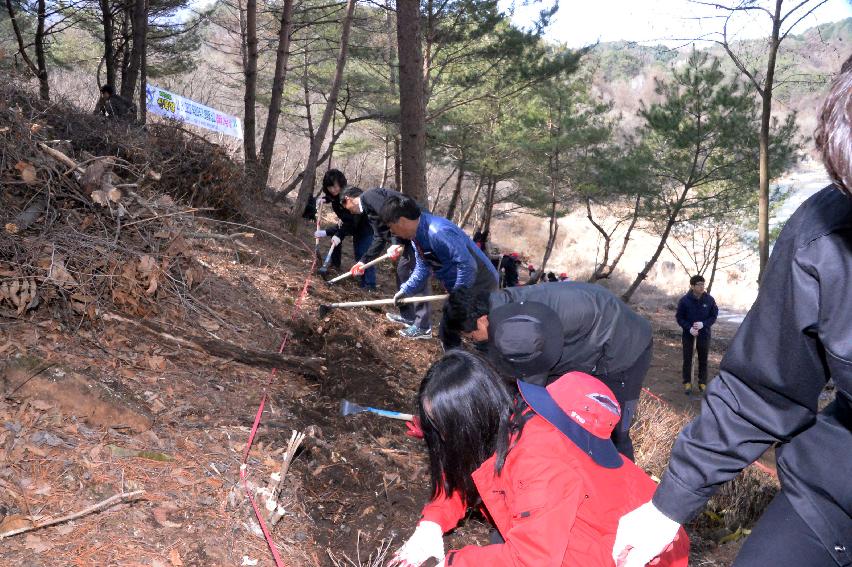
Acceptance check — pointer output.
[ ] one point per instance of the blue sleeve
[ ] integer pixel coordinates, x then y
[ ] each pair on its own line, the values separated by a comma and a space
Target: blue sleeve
714, 312
418, 275
681, 315
454, 247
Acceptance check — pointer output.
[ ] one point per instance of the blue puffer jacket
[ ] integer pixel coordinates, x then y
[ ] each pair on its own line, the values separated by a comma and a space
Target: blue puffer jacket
691, 309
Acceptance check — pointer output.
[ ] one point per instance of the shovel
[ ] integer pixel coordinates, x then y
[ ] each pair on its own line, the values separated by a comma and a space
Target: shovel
367, 265
351, 408
323, 271
326, 308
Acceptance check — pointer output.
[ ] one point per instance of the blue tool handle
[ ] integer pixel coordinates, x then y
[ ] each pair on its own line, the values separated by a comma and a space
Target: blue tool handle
391, 414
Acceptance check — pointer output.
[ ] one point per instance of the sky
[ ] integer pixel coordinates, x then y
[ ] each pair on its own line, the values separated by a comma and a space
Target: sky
583, 22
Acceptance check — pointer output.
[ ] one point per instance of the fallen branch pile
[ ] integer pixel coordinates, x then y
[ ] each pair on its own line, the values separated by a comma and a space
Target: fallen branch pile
97, 215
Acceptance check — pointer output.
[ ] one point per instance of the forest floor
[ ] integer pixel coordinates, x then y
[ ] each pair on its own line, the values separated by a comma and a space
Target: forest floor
356, 488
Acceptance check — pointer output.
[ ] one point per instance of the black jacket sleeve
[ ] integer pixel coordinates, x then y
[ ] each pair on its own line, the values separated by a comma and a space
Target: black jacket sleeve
371, 203
770, 379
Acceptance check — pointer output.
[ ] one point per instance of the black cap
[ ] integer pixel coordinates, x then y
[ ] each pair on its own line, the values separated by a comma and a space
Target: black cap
525, 340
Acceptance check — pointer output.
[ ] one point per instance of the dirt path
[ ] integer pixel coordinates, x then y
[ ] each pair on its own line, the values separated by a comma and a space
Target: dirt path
359, 482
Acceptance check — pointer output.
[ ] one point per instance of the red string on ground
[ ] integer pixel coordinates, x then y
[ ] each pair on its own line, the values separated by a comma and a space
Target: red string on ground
244, 465
757, 464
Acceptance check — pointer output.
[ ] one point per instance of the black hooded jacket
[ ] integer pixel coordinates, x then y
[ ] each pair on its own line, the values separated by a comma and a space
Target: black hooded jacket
797, 335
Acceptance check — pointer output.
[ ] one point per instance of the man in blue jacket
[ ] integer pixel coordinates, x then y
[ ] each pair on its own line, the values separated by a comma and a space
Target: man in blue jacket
696, 313
440, 247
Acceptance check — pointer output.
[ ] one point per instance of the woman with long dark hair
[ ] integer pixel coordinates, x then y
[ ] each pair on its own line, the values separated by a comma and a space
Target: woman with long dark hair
541, 464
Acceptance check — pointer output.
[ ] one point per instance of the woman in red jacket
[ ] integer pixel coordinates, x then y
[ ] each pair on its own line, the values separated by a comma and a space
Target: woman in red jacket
542, 467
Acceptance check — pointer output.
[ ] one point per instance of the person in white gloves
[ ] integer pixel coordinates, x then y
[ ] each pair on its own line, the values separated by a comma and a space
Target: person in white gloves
540, 464
696, 313
795, 338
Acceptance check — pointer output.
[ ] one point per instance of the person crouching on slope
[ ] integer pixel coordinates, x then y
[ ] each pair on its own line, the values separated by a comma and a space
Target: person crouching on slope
542, 466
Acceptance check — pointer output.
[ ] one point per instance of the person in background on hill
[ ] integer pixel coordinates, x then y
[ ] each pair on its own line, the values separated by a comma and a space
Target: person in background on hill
441, 248
563, 277
510, 270
538, 333
114, 106
551, 277
532, 274
417, 317
541, 466
696, 313
355, 225
480, 238
795, 338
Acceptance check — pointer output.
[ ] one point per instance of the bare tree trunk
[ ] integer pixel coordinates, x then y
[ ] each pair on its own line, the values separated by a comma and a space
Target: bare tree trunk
488, 210
715, 261
306, 188
109, 39
41, 60
640, 277
250, 92
765, 121
412, 124
140, 17
125, 43
472, 205
267, 146
397, 163
552, 230
604, 271
143, 69
434, 207
454, 199
391, 144
39, 69
597, 273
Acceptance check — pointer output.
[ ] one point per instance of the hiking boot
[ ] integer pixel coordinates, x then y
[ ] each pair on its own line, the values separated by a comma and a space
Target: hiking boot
687, 388
415, 332
398, 319
702, 388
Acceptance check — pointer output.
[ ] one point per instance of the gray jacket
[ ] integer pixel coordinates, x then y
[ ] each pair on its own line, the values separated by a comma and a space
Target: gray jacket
602, 334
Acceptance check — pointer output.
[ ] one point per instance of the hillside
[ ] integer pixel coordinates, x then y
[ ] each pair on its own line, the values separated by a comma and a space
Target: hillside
624, 72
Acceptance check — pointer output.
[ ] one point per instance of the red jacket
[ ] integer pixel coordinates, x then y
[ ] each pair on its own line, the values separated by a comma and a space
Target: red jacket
553, 506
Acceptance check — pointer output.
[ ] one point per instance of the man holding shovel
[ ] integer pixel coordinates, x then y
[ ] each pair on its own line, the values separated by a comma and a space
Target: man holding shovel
417, 317
440, 247
355, 225
538, 333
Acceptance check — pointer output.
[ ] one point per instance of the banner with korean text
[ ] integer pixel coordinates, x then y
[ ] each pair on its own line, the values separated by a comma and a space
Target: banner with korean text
170, 105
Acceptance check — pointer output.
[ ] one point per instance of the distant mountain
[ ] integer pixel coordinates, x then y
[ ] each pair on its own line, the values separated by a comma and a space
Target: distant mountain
624, 72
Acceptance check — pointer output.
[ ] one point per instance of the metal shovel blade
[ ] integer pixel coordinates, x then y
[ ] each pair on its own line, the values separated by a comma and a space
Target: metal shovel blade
349, 408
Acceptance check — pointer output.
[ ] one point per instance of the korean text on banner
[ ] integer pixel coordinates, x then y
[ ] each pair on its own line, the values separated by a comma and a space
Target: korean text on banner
170, 105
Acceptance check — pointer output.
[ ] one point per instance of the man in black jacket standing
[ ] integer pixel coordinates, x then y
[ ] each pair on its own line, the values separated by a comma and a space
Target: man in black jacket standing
538, 333
417, 317
696, 313
796, 337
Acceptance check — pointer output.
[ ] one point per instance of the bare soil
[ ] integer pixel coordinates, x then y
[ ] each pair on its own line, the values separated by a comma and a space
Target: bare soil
358, 482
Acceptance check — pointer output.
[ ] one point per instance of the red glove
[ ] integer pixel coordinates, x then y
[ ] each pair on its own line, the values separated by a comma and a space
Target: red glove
357, 269
413, 428
394, 252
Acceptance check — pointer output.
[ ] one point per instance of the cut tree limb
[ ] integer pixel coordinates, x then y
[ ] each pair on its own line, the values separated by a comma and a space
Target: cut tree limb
307, 365
85, 512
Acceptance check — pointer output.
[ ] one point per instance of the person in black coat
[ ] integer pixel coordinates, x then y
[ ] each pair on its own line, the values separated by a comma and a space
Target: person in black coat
696, 313
797, 336
355, 225
538, 333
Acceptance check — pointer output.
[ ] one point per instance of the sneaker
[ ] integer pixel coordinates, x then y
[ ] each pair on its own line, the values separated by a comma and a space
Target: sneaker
687, 388
398, 319
415, 332
702, 387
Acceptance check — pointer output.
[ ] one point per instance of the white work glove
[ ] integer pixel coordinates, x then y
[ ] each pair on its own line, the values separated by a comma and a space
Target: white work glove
694, 332
394, 252
642, 535
397, 296
320, 202
320, 234
698, 325
426, 542
335, 240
